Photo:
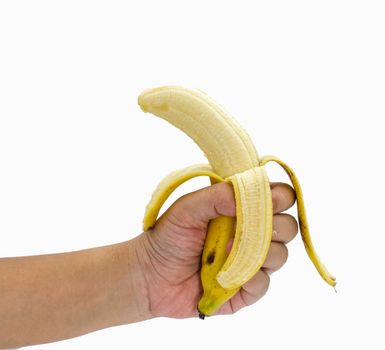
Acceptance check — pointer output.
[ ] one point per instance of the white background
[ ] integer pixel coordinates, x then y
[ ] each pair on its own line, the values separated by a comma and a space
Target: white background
79, 160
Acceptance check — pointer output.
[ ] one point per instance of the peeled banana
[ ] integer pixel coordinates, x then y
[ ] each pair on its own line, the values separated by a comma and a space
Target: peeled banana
233, 159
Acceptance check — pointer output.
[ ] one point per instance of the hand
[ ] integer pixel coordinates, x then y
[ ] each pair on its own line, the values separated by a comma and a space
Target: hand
174, 247
154, 274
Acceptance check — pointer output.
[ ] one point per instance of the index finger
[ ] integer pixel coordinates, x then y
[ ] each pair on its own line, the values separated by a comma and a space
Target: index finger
283, 196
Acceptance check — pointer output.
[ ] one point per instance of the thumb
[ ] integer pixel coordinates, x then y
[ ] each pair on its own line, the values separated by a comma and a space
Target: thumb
196, 209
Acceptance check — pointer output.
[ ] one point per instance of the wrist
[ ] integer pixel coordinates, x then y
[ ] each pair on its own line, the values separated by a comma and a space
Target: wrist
132, 291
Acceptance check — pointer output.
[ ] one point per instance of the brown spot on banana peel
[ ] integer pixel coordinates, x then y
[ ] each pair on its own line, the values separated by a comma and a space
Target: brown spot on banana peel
210, 258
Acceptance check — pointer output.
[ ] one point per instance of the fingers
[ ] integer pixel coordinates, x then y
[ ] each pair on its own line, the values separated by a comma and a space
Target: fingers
254, 289
276, 257
196, 209
283, 196
251, 292
285, 228
257, 286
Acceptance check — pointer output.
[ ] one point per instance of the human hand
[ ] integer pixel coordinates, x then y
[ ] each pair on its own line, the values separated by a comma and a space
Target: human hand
174, 247
155, 274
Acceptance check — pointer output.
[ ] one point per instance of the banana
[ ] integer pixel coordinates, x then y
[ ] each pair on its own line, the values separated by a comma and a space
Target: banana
233, 159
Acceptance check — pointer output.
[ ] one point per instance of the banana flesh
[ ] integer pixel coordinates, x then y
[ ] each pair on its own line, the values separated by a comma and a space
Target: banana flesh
226, 145
254, 212
233, 159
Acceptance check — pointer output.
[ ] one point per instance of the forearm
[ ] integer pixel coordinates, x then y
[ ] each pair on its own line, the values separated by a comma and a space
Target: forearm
52, 297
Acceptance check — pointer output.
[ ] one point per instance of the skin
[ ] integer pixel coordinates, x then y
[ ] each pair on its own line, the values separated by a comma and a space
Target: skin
53, 297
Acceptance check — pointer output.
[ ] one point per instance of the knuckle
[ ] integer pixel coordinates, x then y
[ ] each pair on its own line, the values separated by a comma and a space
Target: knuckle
286, 190
294, 224
283, 197
285, 253
291, 223
289, 189
265, 283
224, 199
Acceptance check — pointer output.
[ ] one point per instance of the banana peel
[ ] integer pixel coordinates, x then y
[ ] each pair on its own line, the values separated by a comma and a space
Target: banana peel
232, 158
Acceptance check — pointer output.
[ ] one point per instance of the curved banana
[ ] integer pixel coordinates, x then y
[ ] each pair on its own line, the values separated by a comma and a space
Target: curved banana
233, 159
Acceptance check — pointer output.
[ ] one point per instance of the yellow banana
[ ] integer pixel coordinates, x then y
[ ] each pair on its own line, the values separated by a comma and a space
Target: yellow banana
233, 159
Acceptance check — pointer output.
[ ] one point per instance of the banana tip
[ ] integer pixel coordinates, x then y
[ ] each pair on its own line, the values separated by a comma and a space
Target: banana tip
142, 104
201, 315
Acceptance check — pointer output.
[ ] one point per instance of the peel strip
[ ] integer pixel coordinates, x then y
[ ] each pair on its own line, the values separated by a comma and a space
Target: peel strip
302, 219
